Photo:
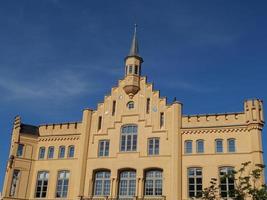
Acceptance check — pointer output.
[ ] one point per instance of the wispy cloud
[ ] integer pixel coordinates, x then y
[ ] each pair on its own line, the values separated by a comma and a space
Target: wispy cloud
60, 85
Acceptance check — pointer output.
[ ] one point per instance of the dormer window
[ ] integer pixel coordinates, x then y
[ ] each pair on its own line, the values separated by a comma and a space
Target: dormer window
130, 105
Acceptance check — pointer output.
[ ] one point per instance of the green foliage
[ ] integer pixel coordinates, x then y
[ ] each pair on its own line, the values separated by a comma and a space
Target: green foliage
247, 184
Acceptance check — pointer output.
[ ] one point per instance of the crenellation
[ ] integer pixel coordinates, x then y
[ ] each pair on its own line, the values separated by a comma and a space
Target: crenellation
61, 128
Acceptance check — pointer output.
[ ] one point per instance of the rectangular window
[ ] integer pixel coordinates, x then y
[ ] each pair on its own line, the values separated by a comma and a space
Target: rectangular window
50, 153
129, 138
161, 119
195, 182
99, 123
200, 146
147, 105
103, 148
42, 184
231, 145
62, 184
42, 153
227, 182
113, 108
14, 182
153, 146
219, 145
130, 69
136, 69
20, 150
188, 147
71, 151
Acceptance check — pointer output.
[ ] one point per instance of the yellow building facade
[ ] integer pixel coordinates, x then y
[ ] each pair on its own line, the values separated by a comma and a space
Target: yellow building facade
132, 146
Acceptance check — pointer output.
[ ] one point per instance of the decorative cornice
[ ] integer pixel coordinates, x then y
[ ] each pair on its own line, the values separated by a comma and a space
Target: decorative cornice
58, 138
213, 130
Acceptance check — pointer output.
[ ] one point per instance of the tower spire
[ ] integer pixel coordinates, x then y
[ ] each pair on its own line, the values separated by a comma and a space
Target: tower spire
134, 50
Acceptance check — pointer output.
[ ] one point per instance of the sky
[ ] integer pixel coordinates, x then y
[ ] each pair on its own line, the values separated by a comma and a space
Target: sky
58, 57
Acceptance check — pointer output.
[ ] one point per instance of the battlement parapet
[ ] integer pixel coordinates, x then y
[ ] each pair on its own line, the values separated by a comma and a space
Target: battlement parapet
60, 128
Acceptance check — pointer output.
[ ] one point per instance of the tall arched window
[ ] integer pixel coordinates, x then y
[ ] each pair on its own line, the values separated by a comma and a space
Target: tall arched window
127, 184
227, 182
200, 146
62, 184
41, 153
71, 150
128, 138
102, 183
231, 145
153, 183
42, 184
61, 152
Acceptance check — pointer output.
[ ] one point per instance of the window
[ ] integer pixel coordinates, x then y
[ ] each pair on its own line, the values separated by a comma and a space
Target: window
161, 119
14, 182
130, 69
103, 148
20, 150
130, 105
136, 69
42, 184
194, 182
227, 183
62, 184
153, 183
188, 146
61, 152
102, 183
127, 184
147, 105
99, 123
50, 153
219, 145
129, 138
200, 146
113, 108
153, 146
231, 145
71, 151
42, 153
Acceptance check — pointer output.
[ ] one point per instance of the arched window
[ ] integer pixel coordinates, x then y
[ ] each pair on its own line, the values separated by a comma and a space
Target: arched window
231, 145
42, 184
130, 105
61, 152
227, 182
127, 184
128, 138
219, 145
50, 153
188, 146
153, 183
102, 183
194, 182
41, 153
200, 146
71, 151
62, 184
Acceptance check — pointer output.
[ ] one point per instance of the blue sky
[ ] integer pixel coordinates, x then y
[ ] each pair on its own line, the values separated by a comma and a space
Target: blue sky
58, 57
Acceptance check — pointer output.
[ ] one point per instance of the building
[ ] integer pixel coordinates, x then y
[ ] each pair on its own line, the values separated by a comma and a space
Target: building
133, 146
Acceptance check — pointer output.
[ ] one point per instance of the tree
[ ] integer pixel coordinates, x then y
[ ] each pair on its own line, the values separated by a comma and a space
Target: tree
247, 184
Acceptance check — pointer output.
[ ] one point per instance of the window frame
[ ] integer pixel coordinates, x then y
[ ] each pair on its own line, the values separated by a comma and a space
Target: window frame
161, 119
133, 138
197, 146
59, 152
154, 152
195, 183
46, 174
228, 145
41, 149
154, 180
216, 145
71, 154
227, 168
148, 105
63, 184
99, 123
103, 182
185, 147
14, 182
113, 107
129, 180
105, 142
130, 105
49, 151
20, 150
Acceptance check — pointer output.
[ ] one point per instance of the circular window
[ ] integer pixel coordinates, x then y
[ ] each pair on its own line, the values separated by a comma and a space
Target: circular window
130, 105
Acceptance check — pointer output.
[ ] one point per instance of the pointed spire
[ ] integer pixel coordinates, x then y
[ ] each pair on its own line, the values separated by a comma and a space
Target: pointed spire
134, 48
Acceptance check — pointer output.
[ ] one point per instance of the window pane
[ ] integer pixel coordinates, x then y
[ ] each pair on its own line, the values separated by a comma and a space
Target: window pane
219, 146
129, 138
61, 152
188, 146
231, 145
200, 146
